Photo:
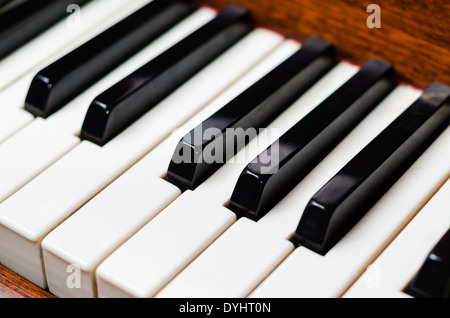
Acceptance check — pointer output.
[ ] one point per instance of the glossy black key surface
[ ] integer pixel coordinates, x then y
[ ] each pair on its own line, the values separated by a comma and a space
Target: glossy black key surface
23, 22
270, 177
206, 148
433, 279
63, 80
3, 2
118, 107
347, 197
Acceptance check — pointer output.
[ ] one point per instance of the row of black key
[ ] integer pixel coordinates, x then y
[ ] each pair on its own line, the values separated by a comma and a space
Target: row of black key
121, 105
348, 196
254, 108
57, 84
335, 208
118, 107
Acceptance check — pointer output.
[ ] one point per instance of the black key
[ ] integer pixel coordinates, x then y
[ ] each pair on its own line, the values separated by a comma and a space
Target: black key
433, 279
63, 80
347, 197
276, 171
118, 107
26, 20
206, 148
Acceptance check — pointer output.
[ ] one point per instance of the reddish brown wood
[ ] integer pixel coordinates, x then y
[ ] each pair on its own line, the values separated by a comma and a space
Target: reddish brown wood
14, 286
414, 35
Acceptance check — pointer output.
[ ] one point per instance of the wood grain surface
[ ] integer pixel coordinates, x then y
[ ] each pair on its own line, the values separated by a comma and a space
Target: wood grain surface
414, 37
14, 286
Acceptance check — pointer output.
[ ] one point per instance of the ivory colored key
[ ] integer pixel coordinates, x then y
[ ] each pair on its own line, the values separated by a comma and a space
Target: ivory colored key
308, 274
395, 269
31, 151
63, 38
61, 248
208, 199
85, 171
23, 155
12, 115
182, 237
232, 266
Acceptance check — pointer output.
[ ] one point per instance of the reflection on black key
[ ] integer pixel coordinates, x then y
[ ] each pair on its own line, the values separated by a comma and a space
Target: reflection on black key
3, 2
433, 279
209, 146
346, 197
276, 171
118, 107
63, 80
24, 21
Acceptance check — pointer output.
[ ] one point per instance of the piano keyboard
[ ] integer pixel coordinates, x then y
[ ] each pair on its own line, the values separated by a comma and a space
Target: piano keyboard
127, 160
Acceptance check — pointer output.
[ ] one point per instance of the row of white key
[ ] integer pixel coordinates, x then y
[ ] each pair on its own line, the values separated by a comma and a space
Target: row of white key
185, 229
37, 208
150, 195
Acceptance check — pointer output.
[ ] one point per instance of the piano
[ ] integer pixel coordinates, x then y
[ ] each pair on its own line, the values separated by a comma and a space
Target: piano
224, 149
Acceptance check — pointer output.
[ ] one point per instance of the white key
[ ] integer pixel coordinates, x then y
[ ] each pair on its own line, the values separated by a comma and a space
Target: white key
333, 274
60, 39
394, 270
114, 277
13, 116
174, 244
30, 151
59, 191
232, 266
100, 238
111, 235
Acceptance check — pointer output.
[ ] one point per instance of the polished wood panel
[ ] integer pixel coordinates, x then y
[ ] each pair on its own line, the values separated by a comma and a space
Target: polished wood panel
14, 286
414, 35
